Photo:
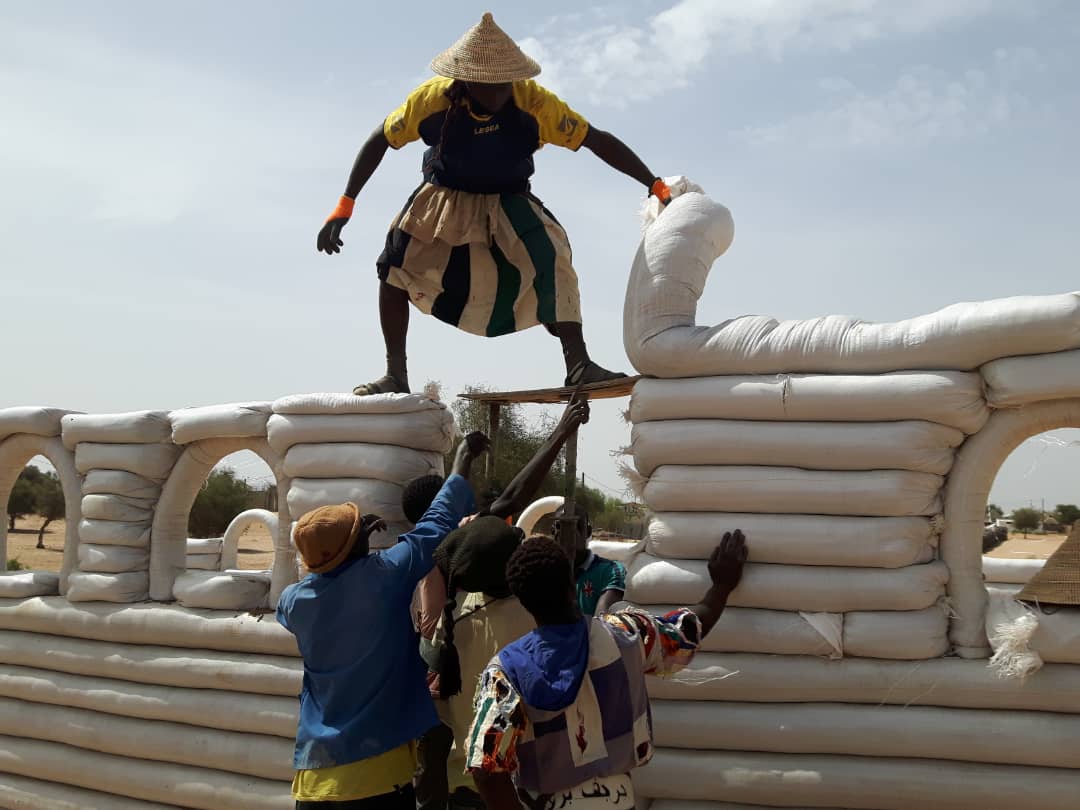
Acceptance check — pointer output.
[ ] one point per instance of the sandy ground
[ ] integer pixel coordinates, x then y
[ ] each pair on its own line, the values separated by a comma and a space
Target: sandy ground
256, 552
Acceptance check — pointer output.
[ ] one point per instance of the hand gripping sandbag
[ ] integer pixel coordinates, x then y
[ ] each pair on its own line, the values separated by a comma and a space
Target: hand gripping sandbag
1015, 381
815, 589
951, 398
112, 559
662, 339
232, 421
431, 430
139, 427
916, 446
882, 493
861, 542
30, 419
385, 462
116, 482
133, 586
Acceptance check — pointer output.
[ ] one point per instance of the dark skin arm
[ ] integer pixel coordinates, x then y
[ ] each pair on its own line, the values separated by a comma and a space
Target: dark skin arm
618, 155
367, 160
520, 491
497, 790
471, 448
725, 571
607, 599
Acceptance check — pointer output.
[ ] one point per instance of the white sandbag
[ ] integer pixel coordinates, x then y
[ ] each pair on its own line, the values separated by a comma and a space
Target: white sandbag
150, 664
147, 460
115, 533
182, 785
138, 427
855, 782
216, 590
167, 625
116, 482
32, 419
775, 632
352, 460
203, 562
24, 584
909, 635
952, 398
235, 420
269, 757
923, 732
885, 493
431, 430
1057, 639
238, 525
338, 403
804, 679
112, 559
208, 708
132, 586
1015, 381
118, 507
22, 793
860, 542
1010, 570
204, 545
371, 496
662, 339
617, 550
919, 446
815, 589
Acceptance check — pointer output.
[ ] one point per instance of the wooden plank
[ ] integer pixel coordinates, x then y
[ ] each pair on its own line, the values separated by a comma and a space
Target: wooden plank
550, 396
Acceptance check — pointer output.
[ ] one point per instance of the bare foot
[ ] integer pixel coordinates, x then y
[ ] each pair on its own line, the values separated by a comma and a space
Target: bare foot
387, 384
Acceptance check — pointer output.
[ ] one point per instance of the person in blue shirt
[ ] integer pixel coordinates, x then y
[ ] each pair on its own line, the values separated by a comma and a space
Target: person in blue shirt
365, 698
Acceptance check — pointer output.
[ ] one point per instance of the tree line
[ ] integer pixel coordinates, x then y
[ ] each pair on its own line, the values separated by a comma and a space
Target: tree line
36, 493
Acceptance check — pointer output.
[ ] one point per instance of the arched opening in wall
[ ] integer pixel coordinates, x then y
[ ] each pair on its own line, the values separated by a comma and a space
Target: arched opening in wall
235, 489
36, 519
1035, 497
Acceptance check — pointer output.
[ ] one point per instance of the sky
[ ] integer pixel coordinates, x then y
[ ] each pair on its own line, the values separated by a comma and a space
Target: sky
165, 168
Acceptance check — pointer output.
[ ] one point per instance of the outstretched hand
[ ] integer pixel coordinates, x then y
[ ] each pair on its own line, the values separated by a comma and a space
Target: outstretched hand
329, 238
575, 415
726, 561
369, 524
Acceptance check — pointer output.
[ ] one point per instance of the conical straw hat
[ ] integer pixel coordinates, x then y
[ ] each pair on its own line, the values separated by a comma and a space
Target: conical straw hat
485, 54
1058, 583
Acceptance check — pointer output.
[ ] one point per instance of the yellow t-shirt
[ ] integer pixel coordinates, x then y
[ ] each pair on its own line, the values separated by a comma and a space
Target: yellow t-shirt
362, 779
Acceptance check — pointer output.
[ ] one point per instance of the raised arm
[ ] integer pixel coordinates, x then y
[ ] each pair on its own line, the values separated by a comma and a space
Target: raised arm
367, 160
621, 157
725, 570
520, 491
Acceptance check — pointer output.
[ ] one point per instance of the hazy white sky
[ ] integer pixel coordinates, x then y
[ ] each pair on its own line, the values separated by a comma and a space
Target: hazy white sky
165, 168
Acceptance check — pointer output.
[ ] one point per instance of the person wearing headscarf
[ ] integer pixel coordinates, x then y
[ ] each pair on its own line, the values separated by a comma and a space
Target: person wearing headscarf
473, 246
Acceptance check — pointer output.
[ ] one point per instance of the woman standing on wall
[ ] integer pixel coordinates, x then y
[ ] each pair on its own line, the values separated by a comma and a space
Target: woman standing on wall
473, 246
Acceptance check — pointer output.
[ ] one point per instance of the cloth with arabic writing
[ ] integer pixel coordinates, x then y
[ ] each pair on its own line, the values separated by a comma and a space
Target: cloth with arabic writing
601, 731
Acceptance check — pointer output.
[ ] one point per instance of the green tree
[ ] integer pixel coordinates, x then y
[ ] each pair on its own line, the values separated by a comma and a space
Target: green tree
49, 503
1026, 520
994, 512
23, 496
223, 497
1067, 513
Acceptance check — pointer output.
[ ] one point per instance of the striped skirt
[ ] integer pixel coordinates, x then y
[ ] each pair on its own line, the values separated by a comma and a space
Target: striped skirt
489, 264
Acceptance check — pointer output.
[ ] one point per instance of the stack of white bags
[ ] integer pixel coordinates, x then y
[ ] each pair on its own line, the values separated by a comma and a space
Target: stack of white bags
124, 460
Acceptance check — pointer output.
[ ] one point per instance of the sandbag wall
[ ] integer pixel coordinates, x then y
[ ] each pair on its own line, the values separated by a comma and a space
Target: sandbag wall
338, 447
858, 458
124, 460
144, 706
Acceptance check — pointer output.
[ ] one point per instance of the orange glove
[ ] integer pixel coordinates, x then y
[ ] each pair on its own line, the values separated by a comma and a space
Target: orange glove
660, 190
329, 238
